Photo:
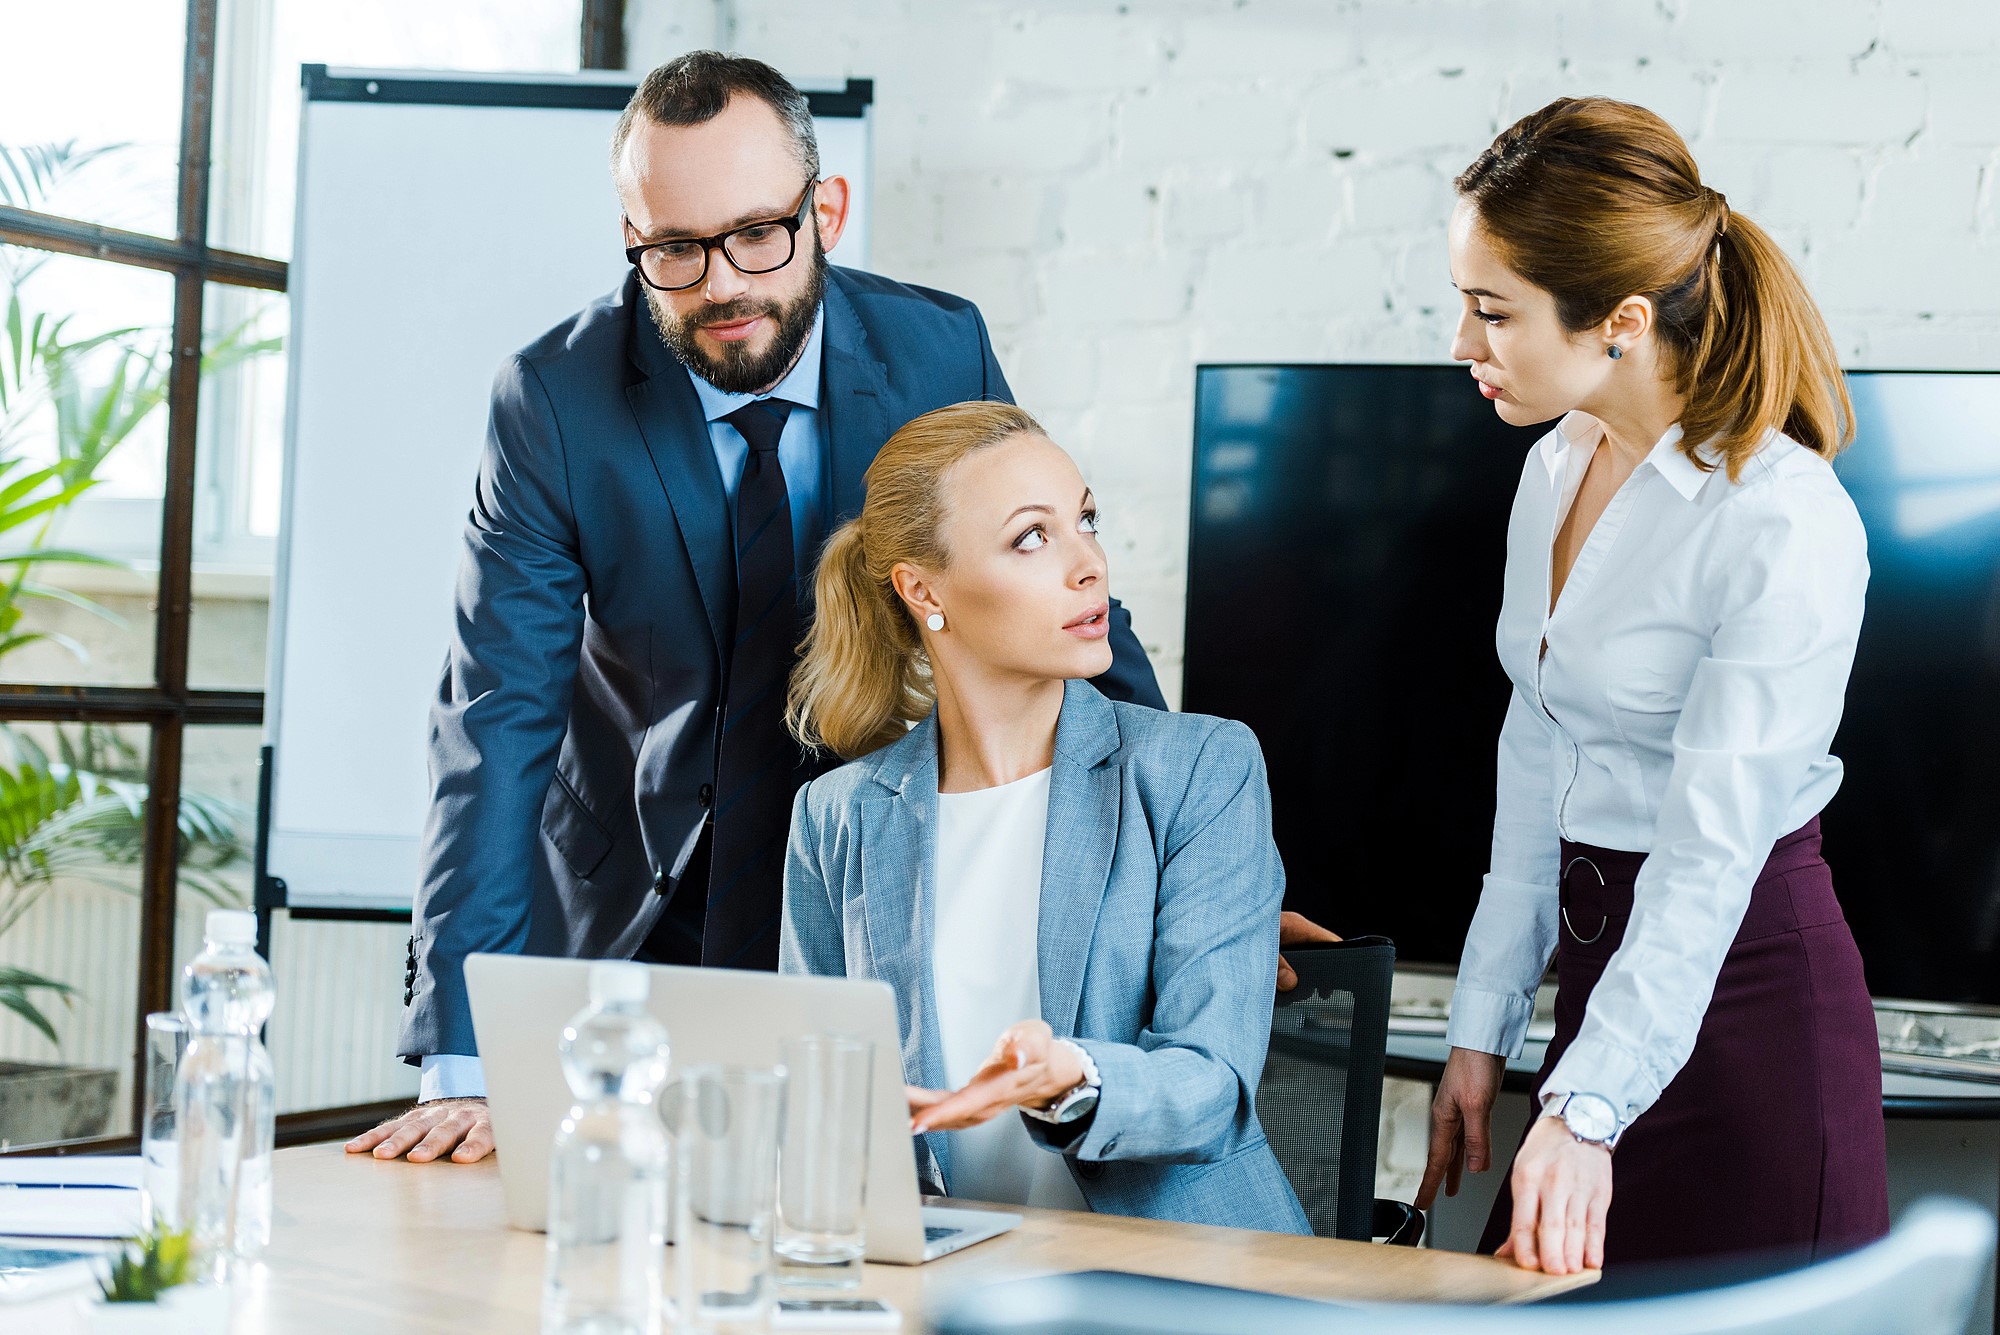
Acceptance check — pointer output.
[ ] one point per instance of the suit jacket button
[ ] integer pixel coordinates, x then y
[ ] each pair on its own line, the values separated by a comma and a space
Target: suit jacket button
660, 882
707, 795
1089, 1169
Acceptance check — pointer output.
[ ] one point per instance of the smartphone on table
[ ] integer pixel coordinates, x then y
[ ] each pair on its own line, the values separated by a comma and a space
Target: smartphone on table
834, 1314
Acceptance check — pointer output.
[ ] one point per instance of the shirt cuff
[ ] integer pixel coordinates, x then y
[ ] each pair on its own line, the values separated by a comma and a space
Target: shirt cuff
1592, 1066
1495, 1022
451, 1075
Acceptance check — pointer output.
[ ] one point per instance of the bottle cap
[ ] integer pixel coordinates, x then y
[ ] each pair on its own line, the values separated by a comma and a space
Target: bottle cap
232, 927
618, 981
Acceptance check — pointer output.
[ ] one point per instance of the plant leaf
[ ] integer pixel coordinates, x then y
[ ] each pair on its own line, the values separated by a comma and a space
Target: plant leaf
16, 1000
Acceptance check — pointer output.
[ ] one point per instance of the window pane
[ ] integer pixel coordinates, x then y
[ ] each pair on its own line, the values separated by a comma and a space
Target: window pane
90, 110
262, 43
87, 412
239, 462
340, 984
73, 798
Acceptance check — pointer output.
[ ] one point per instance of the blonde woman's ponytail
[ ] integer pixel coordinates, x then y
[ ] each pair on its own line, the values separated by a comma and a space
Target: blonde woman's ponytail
862, 676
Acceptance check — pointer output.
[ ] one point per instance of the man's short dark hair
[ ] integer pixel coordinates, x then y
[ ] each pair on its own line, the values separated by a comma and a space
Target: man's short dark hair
694, 88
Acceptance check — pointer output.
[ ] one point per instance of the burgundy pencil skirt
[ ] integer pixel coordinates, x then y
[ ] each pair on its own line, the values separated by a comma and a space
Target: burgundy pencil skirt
1771, 1137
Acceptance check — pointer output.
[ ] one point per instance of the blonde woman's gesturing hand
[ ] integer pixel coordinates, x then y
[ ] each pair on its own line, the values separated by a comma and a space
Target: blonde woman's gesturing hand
1029, 1068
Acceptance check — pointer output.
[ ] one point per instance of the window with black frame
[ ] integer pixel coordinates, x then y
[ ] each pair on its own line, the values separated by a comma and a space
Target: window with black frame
147, 154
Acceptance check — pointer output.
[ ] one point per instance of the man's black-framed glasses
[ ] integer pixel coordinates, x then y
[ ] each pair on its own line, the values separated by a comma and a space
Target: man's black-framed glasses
754, 248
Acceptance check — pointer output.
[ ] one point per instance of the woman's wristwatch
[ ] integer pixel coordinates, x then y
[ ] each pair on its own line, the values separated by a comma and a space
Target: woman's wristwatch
1081, 1098
1591, 1118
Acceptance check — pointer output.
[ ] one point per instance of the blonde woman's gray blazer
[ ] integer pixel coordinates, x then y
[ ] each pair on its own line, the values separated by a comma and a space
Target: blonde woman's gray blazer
1158, 943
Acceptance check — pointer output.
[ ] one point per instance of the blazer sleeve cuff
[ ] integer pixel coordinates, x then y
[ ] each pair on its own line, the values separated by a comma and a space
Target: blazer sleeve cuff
1120, 1098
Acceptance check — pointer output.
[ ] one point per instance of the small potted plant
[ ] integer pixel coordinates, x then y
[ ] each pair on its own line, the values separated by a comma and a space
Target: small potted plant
148, 1292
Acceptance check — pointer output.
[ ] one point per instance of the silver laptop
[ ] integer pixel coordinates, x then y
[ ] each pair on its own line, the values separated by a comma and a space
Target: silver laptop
520, 1005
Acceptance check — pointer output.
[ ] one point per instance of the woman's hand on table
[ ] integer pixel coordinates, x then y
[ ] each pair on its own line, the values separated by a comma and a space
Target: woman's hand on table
459, 1128
1028, 1068
1562, 1191
1461, 1121
1295, 929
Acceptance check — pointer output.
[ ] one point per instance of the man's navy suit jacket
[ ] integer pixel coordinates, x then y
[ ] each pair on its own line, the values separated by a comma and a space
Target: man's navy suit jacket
572, 740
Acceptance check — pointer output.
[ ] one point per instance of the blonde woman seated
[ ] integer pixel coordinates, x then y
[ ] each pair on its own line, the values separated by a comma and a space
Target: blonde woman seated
1076, 901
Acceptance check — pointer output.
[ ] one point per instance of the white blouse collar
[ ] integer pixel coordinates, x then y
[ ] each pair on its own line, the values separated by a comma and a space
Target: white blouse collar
1581, 430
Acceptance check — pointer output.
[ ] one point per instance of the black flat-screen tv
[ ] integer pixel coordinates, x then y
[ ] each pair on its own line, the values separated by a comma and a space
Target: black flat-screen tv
1344, 571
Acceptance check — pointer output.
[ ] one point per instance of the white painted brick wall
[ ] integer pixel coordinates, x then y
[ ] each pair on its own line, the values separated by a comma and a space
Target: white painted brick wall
1130, 188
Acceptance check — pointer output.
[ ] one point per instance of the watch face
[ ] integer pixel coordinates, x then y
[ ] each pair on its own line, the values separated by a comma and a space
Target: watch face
1076, 1105
1590, 1117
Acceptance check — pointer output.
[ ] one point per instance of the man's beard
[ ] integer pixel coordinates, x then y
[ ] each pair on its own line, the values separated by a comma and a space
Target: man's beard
735, 369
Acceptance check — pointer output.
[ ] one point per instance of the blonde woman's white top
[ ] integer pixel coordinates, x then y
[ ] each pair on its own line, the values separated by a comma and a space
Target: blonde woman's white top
986, 975
1695, 670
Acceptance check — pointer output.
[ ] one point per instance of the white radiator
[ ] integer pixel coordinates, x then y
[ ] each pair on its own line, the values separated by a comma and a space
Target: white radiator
340, 1003
332, 1037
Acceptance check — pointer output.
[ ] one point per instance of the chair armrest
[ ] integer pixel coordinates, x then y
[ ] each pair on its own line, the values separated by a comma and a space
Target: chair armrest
1398, 1223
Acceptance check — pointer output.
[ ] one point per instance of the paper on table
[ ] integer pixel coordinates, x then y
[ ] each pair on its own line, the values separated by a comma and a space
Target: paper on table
71, 1196
73, 1212
80, 1170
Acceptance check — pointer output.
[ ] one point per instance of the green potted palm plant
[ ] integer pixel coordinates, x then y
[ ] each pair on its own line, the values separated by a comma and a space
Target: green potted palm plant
72, 797
77, 816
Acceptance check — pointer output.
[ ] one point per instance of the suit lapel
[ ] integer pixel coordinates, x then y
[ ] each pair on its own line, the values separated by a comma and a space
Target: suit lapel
853, 395
898, 866
670, 421
1084, 793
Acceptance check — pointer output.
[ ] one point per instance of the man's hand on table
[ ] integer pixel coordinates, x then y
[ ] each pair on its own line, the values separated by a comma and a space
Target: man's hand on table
1296, 929
461, 1128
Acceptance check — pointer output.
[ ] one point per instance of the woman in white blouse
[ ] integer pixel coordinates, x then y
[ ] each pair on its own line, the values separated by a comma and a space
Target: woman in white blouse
1075, 901
1683, 591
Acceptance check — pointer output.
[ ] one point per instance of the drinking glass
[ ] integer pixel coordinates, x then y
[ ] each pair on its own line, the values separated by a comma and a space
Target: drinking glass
725, 1124
823, 1161
159, 1134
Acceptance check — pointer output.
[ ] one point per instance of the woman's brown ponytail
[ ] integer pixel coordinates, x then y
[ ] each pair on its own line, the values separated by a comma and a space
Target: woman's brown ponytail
1766, 357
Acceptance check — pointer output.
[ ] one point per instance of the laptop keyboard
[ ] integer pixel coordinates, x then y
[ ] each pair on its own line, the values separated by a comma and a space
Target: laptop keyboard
933, 1233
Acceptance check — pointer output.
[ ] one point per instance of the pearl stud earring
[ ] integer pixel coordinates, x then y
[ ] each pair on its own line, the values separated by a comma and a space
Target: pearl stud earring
935, 621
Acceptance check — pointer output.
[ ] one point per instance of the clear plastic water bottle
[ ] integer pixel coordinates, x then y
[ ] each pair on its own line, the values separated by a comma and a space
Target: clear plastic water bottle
225, 1098
608, 1171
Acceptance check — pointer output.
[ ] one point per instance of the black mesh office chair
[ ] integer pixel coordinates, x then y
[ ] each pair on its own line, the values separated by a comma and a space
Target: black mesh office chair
1321, 1097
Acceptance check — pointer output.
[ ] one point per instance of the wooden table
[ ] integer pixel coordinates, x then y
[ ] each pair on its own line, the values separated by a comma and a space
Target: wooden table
385, 1248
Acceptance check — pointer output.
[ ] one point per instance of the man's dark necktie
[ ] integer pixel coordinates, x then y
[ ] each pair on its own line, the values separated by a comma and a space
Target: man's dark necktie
760, 766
